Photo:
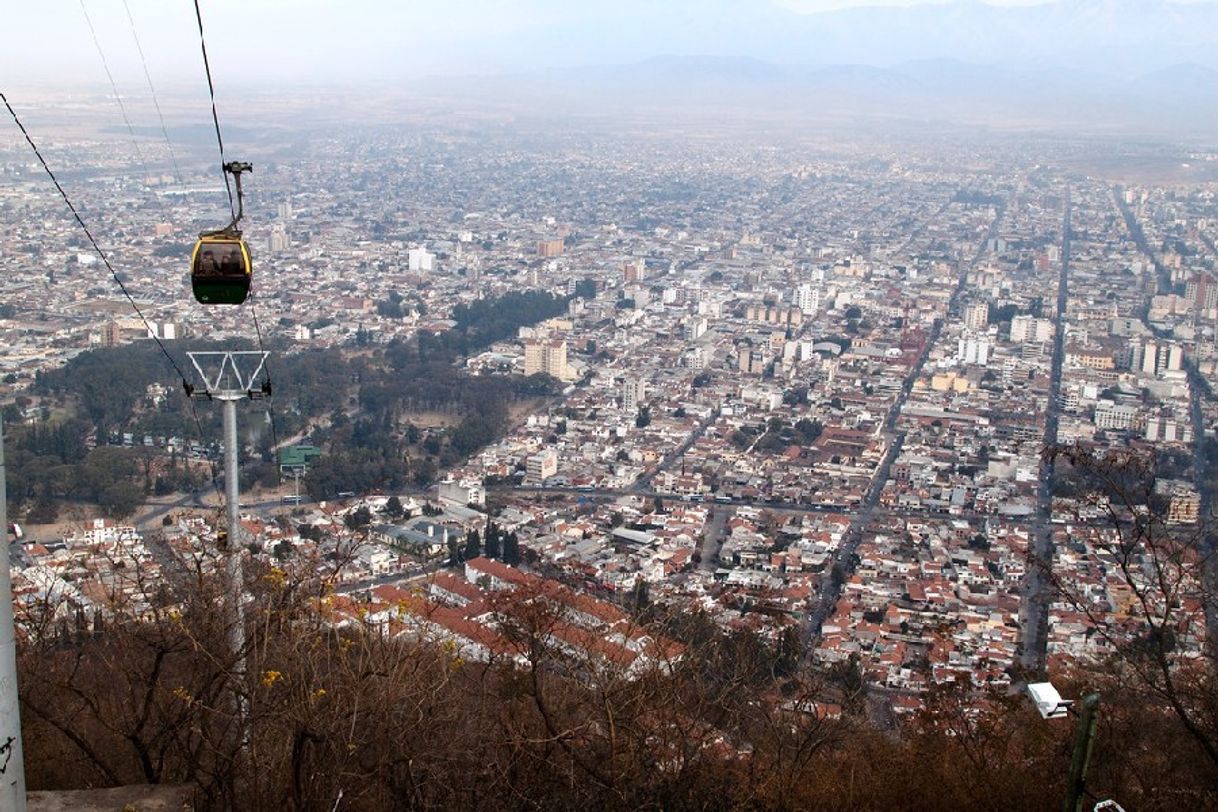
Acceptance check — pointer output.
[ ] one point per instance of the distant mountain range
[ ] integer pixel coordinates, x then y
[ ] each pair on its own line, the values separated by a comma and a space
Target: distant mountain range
1121, 37
1146, 65
1178, 100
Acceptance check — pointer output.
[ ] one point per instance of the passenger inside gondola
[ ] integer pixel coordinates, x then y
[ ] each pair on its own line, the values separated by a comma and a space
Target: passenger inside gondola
207, 264
233, 264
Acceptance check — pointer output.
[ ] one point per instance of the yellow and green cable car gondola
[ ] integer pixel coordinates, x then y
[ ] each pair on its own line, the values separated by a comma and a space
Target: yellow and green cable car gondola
220, 266
220, 269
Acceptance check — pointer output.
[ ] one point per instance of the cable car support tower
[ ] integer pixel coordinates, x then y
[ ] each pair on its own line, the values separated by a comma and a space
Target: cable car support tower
232, 378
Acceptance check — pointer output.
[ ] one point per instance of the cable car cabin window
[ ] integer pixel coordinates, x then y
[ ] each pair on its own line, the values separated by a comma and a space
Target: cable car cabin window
220, 271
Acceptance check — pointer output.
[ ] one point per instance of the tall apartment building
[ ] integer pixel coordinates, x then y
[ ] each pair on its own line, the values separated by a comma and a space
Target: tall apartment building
548, 356
1153, 358
279, 240
1175, 358
807, 299
639, 294
973, 351
634, 394
752, 360
541, 466
1168, 430
1027, 328
774, 315
550, 248
695, 328
534, 357
419, 259
977, 316
1202, 291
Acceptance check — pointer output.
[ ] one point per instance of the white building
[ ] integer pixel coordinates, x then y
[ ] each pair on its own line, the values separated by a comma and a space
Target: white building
1153, 358
1175, 358
166, 330
1109, 415
541, 466
419, 259
1167, 430
973, 351
807, 299
462, 493
1149, 360
1026, 328
279, 239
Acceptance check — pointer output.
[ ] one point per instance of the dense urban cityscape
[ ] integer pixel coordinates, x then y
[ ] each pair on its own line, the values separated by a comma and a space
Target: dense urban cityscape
808, 388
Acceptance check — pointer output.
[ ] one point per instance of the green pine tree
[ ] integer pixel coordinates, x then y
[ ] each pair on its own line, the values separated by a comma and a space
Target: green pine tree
473, 545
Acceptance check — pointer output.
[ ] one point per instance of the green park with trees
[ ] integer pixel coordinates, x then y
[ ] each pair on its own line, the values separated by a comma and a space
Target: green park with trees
356, 406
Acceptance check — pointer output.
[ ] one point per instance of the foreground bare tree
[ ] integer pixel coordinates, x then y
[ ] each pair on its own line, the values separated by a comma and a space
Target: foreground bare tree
1153, 623
357, 705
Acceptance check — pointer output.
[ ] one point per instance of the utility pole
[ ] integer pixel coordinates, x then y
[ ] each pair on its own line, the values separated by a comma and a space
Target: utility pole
12, 756
228, 384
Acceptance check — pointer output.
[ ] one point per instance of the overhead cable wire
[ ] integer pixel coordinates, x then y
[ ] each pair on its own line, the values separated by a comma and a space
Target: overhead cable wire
215, 117
122, 108
106, 261
177, 173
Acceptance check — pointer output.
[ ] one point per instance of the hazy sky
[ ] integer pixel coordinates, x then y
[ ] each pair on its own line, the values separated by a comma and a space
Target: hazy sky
266, 42
814, 6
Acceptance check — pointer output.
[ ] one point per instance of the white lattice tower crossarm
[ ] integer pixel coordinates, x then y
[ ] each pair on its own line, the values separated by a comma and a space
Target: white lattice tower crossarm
231, 370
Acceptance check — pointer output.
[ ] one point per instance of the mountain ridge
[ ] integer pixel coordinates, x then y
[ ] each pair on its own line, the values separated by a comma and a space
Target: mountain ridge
1118, 37
1179, 98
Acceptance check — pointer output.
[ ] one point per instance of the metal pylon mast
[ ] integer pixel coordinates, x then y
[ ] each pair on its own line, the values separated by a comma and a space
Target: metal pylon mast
232, 379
